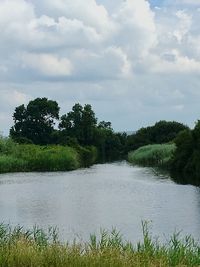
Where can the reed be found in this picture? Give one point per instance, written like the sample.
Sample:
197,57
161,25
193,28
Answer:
29,157
157,155
19,247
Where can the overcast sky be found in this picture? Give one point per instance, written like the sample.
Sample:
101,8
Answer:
136,62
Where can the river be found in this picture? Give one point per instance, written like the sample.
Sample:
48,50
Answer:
103,196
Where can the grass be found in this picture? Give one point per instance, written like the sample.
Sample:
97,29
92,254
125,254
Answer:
37,248
28,157
157,155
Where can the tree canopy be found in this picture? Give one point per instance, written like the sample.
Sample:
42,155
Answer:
79,123
161,132
36,121
186,161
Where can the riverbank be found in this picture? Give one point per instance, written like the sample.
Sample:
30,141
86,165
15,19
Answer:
28,157
19,247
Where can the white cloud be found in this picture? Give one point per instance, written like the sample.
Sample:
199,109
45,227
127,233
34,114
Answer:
48,65
88,11
145,61
174,62
111,63
185,22
137,29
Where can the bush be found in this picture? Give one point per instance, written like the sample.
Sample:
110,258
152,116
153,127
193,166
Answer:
88,155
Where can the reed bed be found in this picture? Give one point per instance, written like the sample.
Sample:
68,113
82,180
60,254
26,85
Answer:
29,157
158,155
37,248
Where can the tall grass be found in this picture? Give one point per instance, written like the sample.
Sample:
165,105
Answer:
158,155
37,248
28,157
48,158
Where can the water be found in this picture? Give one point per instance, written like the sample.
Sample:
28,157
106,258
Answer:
103,196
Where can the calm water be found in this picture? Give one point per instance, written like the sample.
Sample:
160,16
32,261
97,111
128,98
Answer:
104,196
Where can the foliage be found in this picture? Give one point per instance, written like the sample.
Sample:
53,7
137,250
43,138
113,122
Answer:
158,155
20,247
7,145
109,144
36,121
48,158
88,155
79,123
35,124
161,132
80,126
12,164
186,161
28,157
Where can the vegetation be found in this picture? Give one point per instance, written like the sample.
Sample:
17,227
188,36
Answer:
35,124
36,121
19,247
162,132
28,157
158,155
185,166
182,158
79,140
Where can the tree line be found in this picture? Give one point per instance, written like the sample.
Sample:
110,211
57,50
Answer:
40,123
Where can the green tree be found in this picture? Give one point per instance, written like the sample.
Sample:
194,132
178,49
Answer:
79,123
161,132
36,121
89,123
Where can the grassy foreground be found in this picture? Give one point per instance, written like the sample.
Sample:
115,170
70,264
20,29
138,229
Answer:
36,248
28,157
157,155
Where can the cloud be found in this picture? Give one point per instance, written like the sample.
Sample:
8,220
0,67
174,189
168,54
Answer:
88,11
174,62
48,65
124,57
137,29
111,63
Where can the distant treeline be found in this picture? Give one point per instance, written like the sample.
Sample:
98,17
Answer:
35,124
41,137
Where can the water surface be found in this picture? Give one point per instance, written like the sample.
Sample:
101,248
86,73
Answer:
104,196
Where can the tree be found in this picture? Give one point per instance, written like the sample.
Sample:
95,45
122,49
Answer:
185,167
89,123
161,132
36,121
79,123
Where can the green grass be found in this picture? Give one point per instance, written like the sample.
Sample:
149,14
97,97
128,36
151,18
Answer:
36,248
12,164
48,158
158,155
29,157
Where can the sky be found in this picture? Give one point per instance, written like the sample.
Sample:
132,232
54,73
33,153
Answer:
135,61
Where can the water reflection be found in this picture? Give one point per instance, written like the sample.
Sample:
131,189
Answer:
104,196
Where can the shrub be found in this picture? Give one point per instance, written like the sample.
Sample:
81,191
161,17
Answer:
88,155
